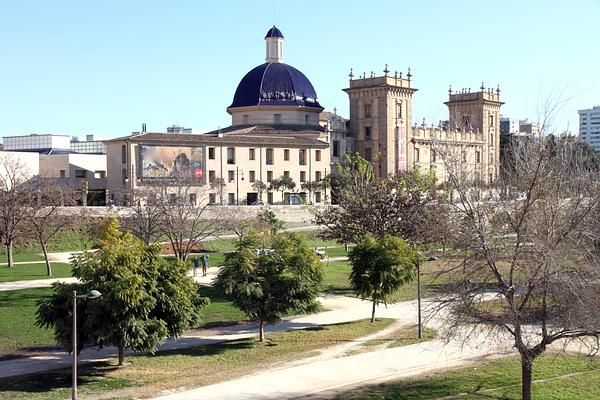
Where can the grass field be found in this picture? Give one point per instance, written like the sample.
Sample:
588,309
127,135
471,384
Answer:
147,375
558,378
18,308
17,320
22,257
335,281
25,272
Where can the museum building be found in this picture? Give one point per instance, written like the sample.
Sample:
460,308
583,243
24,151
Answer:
274,133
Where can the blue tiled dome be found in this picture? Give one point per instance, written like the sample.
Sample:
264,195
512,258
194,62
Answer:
275,84
274,32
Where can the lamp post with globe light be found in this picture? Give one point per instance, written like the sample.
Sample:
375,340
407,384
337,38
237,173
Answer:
91,295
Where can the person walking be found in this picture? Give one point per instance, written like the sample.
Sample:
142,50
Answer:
204,264
196,263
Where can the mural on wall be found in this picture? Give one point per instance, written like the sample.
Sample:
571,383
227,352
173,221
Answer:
164,163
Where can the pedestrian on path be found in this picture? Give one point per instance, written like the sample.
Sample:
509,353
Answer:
204,264
196,263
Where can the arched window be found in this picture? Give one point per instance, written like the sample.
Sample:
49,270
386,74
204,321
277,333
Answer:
124,154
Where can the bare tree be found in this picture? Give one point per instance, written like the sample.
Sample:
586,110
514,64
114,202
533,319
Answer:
218,185
396,205
235,220
14,196
531,264
146,214
44,220
184,208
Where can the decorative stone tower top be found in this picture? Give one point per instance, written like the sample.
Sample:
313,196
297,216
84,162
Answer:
274,39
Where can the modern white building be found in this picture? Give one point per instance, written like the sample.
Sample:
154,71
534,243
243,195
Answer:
39,143
589,126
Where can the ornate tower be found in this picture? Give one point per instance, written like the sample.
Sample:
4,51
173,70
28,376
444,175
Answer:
380,119
479,112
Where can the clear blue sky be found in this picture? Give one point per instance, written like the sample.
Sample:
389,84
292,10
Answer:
104,67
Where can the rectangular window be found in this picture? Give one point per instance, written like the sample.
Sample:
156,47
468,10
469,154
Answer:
317,197
302,176
230,176
367,132
306,119
62,173
399,110
277,118
464,156
302,157
123,154
230,155
317,176
269,176
417,155
99,174
251,155
252,176
317,155
212,198
193,199
336,148
286,155
211,153
368,154
269,156
270,197
245,120
433,156
286,174
491,119
368,110
477,156
80,173
172,198
211,176
231,198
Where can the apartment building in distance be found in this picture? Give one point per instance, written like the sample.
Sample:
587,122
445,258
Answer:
589,126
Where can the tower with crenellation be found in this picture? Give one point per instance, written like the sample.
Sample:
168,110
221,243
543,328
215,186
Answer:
381,126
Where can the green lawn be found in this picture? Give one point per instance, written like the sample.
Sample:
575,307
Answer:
22,257
17,319
18,308
220,310
147,375
559,378
335,281
25,272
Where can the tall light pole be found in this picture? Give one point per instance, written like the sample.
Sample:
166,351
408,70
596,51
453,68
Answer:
420,324
92,294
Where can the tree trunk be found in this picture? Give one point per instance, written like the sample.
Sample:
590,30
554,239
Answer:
121,349
261,330
526,372
373,312
9,253
48,266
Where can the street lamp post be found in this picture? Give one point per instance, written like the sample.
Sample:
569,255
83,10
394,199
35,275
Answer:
92,294
420,324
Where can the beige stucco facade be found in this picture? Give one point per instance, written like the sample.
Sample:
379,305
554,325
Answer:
239,157
381,125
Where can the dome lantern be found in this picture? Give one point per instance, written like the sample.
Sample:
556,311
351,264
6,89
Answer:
274,39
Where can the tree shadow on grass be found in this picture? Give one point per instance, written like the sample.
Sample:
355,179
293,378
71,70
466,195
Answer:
89,374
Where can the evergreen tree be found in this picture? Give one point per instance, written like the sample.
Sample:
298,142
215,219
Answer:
145,298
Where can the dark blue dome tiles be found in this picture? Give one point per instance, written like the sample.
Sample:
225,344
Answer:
274,32
275,84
